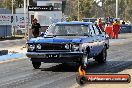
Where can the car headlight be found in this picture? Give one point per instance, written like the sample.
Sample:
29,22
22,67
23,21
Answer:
31,47
39,46
67,46
75,47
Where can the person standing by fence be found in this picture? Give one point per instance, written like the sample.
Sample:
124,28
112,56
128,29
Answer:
35,28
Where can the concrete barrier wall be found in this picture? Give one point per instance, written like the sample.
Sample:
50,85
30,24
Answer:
3,52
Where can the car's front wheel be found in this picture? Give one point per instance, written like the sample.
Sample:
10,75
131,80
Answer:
84,61
101,58
36,65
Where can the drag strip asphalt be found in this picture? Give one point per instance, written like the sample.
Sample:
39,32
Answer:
20,73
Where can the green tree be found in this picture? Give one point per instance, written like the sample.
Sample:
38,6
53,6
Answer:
63,6
7,4
31,2
109,8
17,4
128,10
1,5
124,10
89,8
85,8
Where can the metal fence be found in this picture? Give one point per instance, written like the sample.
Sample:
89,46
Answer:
5,30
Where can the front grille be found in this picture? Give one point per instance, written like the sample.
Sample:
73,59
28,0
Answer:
53,47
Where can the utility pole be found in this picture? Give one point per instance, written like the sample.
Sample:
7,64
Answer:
116,8
78,10
13,31
28,30
25,24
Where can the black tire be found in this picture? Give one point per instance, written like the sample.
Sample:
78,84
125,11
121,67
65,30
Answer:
101,58
36,65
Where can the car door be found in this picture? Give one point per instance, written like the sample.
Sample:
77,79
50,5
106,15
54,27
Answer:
93,41
99,39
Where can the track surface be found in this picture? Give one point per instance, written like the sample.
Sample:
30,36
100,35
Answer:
20,74
12,43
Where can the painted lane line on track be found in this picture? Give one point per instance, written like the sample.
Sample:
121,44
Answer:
12,60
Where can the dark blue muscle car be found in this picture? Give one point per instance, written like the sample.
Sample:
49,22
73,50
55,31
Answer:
69,42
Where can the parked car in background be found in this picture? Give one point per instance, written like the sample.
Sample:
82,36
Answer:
69,42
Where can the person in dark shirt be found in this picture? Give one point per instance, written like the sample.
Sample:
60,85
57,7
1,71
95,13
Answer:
35,28
123,22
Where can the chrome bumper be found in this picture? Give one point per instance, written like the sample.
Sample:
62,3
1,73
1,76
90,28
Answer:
54,54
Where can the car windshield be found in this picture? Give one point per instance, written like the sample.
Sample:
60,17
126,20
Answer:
67,30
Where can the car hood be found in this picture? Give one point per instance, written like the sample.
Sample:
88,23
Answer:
56,40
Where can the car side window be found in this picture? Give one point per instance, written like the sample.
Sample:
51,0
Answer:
100,32
84,29
92,33
96,30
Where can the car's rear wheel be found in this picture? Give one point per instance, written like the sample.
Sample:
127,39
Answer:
36,65
101,58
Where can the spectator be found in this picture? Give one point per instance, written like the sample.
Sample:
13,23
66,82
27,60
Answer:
35,28
116,29
123,22
100,24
